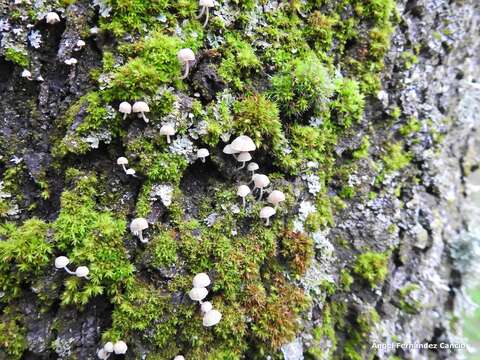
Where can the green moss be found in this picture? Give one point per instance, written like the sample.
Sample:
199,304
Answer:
412,126
13,340
372,267
348,102
18,57
362,151
297,248
395,158
164,249
409,59
346,280
406,303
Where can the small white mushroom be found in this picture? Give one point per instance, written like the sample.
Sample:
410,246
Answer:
122,161
243,143
120,347
26,74
266,213
206,306
61,262
202,154
205,5
108,347
80,44
261,181
130,172
211,318
52,18
198,294
179,357
201,280
243,191
185,56
82,272
140,108
137,226
252,167
276,197
229,151
125,108
243,157
167,130
102,354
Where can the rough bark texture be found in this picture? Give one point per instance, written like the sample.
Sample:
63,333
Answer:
390,263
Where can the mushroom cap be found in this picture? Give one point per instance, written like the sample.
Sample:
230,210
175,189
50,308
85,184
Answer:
243,143
243,190
201,280
26,73
212,318
52,17
201,153
167,129
120,347
61,262
266,212
108,347
130,171
103,354
137,225
260,180
252,166
179,357
198,294
185,55
140,106
82,271
125,107
206,306
244,156
71,61
228,150
206,3
122,161
80,43
275,197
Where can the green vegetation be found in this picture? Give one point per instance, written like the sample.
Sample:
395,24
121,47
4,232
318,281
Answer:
372,267
18,57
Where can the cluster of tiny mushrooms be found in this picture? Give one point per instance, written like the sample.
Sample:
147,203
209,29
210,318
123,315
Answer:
239,148
119,348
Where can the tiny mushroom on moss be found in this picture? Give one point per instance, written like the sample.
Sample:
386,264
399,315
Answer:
108,347
179,357
125,108
120,347
201,280
198,293
261,181
137,226
52,18
202,154
26,74
79,44
103,354
211,318
243,157
71,61
205,5
229,151
252,167
167,130
276,197
243,191
140,108
82,272
185,56
266,213
130,172
61,262
122,161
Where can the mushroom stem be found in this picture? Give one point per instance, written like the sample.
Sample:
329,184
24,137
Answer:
243,201
187,69
206,18
69,271
243,165
250,180
144,117
203,159
261,194
125,116
140,236
268,222
124,168
201,12
168,139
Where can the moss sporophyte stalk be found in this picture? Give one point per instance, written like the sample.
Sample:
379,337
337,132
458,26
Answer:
217,125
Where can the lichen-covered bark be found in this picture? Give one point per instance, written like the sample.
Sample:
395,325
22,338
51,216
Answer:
364,113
